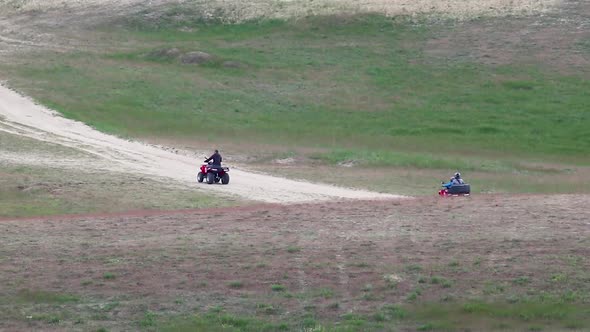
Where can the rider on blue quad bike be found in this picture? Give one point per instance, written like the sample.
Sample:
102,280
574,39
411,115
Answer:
455,180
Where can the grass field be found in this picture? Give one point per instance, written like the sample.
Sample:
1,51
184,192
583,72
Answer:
410,181
40,179
342,85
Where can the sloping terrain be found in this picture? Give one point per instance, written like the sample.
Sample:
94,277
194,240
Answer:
243,10
21,116
374,94
30,24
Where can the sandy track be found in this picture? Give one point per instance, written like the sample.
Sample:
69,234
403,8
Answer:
22,116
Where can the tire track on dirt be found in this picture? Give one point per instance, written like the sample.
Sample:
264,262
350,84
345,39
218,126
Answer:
343,278
23,116
301,280
26,43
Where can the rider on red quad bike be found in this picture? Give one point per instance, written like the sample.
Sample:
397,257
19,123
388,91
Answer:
212,171
215,159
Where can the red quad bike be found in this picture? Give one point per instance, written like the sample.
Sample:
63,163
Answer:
213,174
455,190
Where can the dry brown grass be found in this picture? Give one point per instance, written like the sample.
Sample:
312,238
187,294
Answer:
360,255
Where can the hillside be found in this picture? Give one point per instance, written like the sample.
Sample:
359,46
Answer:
242,10
497,96
338,120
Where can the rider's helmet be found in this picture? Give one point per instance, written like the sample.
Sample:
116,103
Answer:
457,175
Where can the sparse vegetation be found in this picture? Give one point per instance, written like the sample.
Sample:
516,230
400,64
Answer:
39,296
293,249
326,293
50,319
109,276
492,288
522,280
391,280
149,319
414,268
266,309
236,284
278,288
444,282
413,295
421,295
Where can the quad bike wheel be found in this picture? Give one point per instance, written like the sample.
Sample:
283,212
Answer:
200,177
225,179
210,178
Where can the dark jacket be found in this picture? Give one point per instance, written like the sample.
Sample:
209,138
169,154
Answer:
216,158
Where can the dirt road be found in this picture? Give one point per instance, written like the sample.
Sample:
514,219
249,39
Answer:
20,115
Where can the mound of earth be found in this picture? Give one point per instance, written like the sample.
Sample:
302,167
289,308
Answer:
165,53
197,58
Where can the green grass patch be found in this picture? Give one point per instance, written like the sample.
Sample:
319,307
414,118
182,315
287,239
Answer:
415,160
46,318
423,317
109,276
414,294
326,293
293,249
523,280
484,315
413,268
584,45
219,322
39,296
445,283
149,319
236,284
267,309
278,288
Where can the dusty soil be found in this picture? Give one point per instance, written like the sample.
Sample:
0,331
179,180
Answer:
360,255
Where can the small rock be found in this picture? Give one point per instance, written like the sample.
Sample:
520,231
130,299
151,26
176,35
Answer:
285,161
196,58
347,163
